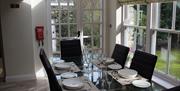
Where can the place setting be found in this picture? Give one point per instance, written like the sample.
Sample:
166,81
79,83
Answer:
60,68
70,82
104,62
129,76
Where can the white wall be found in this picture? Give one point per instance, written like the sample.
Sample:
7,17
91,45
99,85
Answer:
17,41
111,32
40,16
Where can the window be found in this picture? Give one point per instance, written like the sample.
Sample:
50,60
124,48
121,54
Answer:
135,22
162,33
70,16
167,43
92,23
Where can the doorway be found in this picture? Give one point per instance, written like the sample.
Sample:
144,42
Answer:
2,70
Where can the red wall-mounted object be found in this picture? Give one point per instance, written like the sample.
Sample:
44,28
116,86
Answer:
39,33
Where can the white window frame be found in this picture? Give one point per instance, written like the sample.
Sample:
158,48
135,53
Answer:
151,31
79,23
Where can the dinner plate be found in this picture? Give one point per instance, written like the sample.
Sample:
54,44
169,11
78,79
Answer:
67,75
62,66
127,73
109,60
114,66
72,84
141,83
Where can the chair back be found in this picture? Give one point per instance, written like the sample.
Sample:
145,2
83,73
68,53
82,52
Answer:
53,82
144,63
120,54
70,48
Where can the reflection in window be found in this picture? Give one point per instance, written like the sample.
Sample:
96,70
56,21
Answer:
162,51
137,15
136,38
175,56
178,16
166,15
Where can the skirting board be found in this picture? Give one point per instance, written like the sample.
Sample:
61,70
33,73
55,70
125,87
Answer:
20,77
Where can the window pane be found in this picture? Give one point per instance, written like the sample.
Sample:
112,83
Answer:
135,38
98,4
64,16
55,45
55,31
73,30
97,42
72,16
130,38
130,19
87,42
64,4
64,30
92,4
142,15
96,30
166,15
162,51
136,15
87,17
87,4
87,30
178,16
175,56
54,7
72,4
54,16
54,4
97,16
140,39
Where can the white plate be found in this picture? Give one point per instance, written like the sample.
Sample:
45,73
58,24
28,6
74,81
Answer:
127,73
114,66
72,83
62,66
109,60
67,75
141,83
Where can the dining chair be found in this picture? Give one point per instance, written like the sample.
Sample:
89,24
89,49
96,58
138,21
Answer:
120,54
144,63
53,82
177,88
70,48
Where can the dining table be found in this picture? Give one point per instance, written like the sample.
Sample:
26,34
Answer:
100,77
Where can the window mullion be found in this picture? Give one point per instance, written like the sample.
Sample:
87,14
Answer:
92,28
59,23
170,36
148,28
168,53
68,9
174,15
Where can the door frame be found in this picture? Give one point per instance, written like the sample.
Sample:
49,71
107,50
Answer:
3,63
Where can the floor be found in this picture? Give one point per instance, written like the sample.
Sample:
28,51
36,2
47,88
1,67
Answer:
32,85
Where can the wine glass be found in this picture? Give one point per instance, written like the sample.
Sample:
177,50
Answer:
108,80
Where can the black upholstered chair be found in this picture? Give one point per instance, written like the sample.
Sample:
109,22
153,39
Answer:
53,82
70,48
120,54
144,63
177,88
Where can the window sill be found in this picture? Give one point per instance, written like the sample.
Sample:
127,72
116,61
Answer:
164,80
